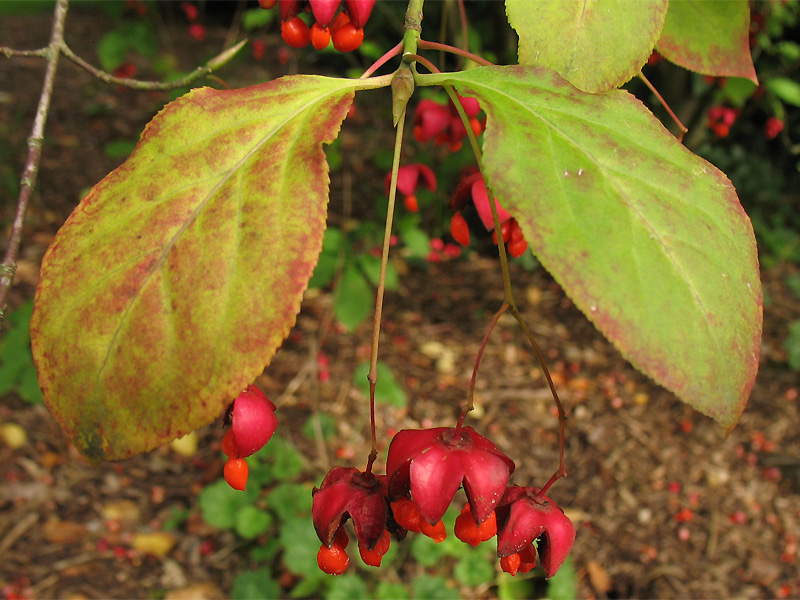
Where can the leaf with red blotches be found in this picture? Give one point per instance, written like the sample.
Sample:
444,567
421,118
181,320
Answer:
709,37
177,277
649,240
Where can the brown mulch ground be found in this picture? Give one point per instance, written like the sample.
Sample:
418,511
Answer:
664,504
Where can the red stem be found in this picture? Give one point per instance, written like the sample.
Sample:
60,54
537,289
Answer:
470,402
426,45
681,127
383,60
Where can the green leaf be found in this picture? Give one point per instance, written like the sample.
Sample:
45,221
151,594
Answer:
283,460
328,258
251,522
300,544
387,391
255,584
710,37
786,89
371,265
564,584
111,50
432,588
347,587
354,300
17,371
119,148
416,241
596,46
177,277
513,588
648,240
327,426
387,590
253,18
477,568
290,501
220,503
309,586
792,345
425,551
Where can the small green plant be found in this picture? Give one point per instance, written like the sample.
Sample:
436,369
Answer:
17,370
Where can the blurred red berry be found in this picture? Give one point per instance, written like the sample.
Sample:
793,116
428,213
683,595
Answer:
459,229
197,31
259,48
411,203
773,127
190,10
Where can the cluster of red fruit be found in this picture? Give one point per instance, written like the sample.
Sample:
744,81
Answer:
345,29
440,123
721,118
253,421
472,188
424,470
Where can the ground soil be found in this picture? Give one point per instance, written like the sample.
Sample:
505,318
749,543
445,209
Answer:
665,505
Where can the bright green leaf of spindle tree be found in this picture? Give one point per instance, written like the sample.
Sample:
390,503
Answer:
710,37
174,281
596,45
648,240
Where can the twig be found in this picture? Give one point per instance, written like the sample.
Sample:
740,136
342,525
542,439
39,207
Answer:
30,172
9,52
52,52
215,63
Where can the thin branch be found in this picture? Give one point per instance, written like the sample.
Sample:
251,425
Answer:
31,170
215,63
9,52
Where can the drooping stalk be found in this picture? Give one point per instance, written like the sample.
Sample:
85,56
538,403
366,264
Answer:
507,289
400,94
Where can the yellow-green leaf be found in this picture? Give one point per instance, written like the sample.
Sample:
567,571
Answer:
648,239
710,37
596,45
176,278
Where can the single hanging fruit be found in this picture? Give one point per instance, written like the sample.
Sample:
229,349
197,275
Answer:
296,33
320,36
